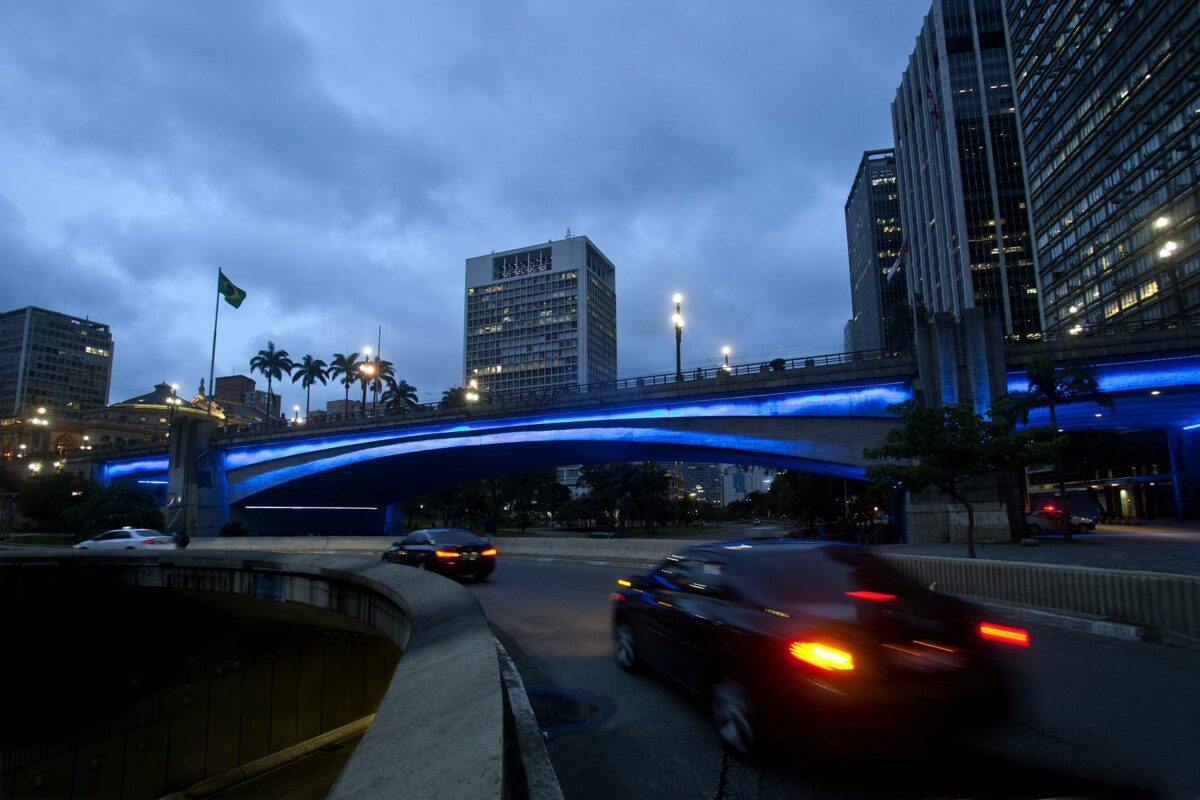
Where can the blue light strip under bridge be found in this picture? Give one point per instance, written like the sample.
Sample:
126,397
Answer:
842,401
827,455
137,466
1133,374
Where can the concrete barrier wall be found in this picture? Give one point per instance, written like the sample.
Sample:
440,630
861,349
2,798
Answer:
1168,602
449,658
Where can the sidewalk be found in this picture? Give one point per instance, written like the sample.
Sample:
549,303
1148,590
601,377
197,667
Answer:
1172,548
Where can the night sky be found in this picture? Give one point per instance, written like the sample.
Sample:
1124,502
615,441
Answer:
340,161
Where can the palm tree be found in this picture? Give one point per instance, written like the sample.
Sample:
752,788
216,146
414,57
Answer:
399,396
309,371
1050,387
272,364
454,397
383,374
345,367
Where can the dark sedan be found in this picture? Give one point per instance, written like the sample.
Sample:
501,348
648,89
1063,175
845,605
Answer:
812,641
454,552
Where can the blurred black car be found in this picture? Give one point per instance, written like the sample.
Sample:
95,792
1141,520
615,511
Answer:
814,642
449,551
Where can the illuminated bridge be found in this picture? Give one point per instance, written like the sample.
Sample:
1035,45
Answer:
805,415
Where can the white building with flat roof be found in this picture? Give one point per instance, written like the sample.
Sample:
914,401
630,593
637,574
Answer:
540,317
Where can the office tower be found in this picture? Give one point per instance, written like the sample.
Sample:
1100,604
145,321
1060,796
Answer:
874,243
53,360
541,317
1108,95
959,170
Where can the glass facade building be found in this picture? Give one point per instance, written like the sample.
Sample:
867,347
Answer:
541,318
873,242
53,360
1109,100
959,170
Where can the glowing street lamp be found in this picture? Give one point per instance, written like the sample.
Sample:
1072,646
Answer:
472,394
677,319
295,415
725,352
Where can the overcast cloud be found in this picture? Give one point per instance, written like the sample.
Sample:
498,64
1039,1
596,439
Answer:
340,161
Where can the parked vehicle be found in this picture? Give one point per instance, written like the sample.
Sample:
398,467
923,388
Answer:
1052,520
129,539
454,552
812,640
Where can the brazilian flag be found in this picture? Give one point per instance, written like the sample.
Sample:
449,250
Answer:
233,295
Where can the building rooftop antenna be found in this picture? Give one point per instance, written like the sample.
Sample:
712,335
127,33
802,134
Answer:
568,233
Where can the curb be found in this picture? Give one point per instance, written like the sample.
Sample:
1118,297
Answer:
540,779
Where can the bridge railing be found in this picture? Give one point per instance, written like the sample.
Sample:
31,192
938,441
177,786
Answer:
535,400
1080,331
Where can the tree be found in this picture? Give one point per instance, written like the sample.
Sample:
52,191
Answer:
947,447
454,397
345,367
400,396
805,495
308,372
113,506
272,364
45,497
1050,387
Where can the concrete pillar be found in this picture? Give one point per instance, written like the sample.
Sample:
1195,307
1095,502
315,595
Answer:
945,341
1185,469
187,478
394,522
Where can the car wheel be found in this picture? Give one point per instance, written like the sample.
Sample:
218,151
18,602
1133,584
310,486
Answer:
131,548
1081,528
733,716
625,652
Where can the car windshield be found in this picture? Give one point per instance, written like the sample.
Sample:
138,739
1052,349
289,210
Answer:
455,536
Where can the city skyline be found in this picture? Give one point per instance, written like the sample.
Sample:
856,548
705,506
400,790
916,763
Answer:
325,173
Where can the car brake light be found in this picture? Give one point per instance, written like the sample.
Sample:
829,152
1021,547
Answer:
491,551
618,597
863,594
1003,633
446,554
149,541
822,655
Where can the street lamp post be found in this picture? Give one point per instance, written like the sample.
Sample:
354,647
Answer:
725,352
678,320
295,415
472,394
367,369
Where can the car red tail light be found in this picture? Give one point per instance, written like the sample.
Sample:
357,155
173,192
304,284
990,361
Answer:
446,554
149,541
863,594
1003,633
491,551
617,597
821,655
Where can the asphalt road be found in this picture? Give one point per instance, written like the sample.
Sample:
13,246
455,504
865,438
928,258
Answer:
1096,717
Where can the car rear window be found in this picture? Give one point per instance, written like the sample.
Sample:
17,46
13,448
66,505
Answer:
822,575
455,537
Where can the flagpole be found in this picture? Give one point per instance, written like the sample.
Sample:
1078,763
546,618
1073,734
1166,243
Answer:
212,364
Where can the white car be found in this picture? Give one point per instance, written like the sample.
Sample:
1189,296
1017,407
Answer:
129,539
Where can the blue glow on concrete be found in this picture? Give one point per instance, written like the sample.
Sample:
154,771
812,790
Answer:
1133,374
830,458
843,401
121,469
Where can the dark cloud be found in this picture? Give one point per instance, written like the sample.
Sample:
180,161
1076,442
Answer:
341,161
